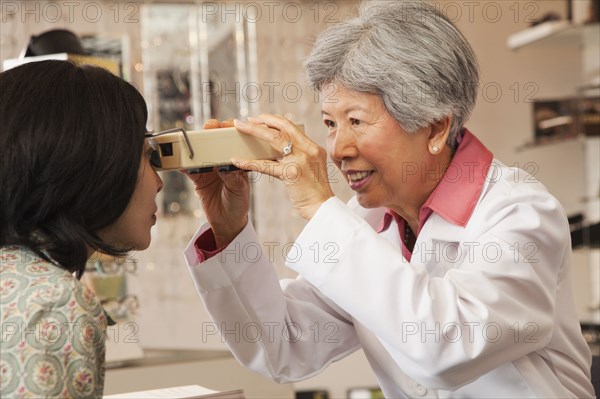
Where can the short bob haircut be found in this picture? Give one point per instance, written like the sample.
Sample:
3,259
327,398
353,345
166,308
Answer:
409,54
71,143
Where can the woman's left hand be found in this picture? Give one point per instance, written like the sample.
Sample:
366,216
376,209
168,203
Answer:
303,170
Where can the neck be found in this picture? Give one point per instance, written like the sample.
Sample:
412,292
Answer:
412,220
410,211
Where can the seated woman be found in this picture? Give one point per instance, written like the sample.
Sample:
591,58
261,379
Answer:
76,178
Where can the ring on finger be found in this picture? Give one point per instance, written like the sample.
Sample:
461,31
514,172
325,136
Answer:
287,150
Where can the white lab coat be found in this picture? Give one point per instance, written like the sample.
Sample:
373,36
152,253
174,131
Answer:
485,310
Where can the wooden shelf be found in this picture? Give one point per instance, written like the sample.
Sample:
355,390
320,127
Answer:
558,29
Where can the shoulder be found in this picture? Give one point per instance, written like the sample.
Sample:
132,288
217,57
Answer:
517,199
55,329
510,185
31,284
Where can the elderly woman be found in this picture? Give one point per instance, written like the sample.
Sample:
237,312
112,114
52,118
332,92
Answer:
451,271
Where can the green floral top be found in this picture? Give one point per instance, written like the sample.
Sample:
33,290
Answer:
53,331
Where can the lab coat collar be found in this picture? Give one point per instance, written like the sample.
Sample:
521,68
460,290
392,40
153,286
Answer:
439,229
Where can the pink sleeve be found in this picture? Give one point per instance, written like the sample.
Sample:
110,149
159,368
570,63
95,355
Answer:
206,246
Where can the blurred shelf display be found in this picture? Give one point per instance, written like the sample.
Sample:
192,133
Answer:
196,66
557,31
560,120
583,17
573,122
539,32
591,332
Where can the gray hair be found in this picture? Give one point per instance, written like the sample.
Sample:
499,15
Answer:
409,54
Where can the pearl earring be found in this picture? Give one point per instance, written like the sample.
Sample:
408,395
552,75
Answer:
435,149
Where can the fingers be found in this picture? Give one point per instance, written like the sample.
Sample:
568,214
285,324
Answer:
285,126
278,131
211,124
270,168
227,123
274,137
200,179
234,178
214,123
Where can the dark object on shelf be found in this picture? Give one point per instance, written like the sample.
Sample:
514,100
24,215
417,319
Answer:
593,235
583,235
596,373
595,17
576,227
591,332
551,16
371,393
565,118
320,394
554,119
53,42
589,116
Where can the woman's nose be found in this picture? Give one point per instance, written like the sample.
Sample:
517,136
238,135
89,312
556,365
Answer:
343,145
159,181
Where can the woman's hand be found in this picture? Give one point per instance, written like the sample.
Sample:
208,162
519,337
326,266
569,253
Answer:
303,169
225,197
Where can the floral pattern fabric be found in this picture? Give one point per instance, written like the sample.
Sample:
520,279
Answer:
53,331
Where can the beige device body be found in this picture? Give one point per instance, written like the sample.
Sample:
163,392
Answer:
211,147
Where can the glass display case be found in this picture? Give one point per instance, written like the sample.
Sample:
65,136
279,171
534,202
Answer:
196,64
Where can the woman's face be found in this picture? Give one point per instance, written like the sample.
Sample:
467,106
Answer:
383,164
132,229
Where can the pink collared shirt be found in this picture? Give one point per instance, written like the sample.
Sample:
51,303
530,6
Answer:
456,195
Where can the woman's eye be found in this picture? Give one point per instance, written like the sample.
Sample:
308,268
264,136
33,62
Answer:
153,157
354,121
329,123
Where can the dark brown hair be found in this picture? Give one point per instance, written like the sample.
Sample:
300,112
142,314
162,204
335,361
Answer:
71,141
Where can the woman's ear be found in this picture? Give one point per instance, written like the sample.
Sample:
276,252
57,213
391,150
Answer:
438,135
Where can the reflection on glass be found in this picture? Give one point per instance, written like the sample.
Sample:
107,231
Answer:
108,280
195,68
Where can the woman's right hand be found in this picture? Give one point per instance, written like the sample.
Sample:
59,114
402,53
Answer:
225,197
